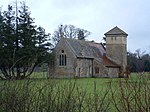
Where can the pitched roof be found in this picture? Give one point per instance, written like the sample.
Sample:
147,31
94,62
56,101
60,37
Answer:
88,49
116,31
109,63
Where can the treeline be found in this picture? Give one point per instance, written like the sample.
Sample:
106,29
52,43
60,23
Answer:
138,62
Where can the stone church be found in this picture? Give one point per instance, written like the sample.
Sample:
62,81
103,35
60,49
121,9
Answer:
81,58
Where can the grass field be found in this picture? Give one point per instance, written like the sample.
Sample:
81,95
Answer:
39,94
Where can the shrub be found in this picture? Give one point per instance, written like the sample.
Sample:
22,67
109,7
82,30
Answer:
54,95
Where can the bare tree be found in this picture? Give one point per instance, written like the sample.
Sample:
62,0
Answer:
68,31
139,53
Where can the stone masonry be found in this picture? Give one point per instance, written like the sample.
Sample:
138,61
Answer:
80,58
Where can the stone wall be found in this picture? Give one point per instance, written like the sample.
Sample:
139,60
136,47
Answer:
117,53
98,69
113,72
116,40
68,70
116,49
84,67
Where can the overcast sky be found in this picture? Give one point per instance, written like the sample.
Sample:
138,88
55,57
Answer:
96,16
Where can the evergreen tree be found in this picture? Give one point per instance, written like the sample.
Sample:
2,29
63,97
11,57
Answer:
7,40
24,45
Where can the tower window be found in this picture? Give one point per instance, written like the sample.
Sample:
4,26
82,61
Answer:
62,59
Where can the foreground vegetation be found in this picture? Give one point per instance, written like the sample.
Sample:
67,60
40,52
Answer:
76,95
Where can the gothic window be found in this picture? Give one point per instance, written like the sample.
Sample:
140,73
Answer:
62,59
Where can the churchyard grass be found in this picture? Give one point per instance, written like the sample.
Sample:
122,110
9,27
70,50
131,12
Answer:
39,94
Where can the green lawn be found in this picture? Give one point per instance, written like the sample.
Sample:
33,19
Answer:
84,83
39,94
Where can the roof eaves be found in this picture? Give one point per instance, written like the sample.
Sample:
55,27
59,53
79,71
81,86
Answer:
116,31
109,63
83,57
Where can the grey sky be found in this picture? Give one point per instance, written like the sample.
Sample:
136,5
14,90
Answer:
97,16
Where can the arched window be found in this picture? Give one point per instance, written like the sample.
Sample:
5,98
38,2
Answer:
62,59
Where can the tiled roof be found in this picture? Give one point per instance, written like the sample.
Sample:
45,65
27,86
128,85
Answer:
109,63
116,31
88,49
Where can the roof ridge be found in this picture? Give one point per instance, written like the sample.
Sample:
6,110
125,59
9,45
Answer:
71,48
116,31
85,48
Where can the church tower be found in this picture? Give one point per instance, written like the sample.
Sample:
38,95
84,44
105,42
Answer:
116,47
